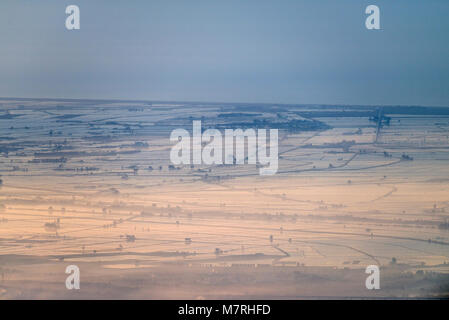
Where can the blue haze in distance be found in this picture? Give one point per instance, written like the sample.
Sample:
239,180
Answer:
287,51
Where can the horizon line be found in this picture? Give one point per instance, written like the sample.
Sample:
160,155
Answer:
217,102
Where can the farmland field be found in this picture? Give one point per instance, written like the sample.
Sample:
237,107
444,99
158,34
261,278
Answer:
90,183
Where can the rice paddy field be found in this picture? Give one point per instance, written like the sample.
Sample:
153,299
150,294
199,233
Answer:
90,183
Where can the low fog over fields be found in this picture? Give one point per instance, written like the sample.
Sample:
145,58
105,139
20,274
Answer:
90,183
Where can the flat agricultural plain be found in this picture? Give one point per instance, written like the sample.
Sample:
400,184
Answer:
90,183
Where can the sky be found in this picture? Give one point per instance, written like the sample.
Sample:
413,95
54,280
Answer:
283,51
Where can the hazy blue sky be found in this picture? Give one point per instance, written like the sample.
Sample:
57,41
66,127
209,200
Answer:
313,51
